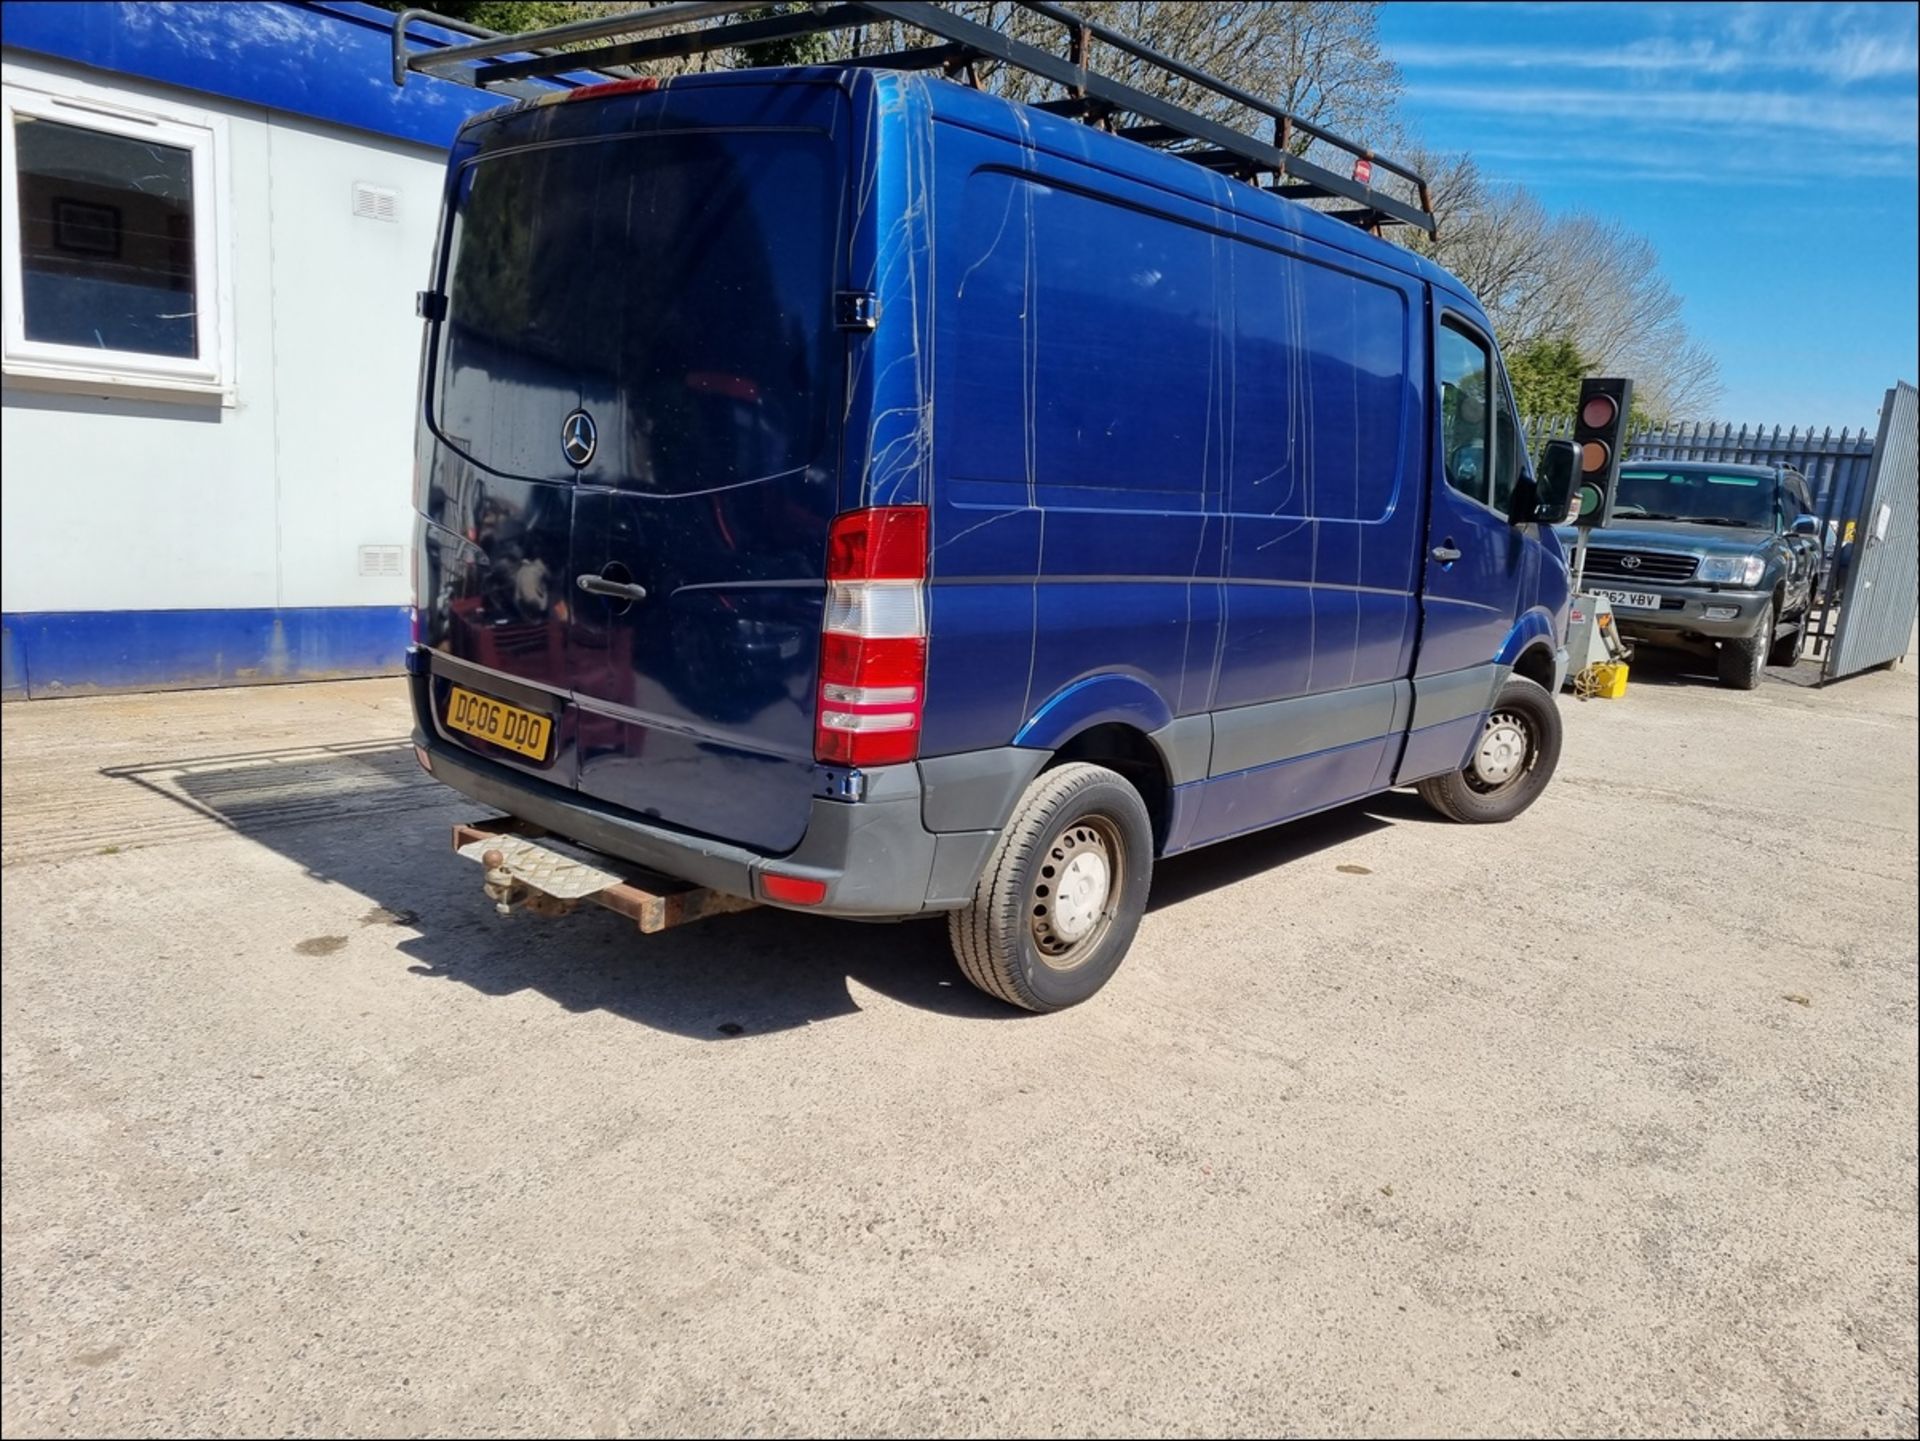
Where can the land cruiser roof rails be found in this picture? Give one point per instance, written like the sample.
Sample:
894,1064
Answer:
635,39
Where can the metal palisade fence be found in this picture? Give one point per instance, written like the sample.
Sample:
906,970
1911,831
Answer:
1835,465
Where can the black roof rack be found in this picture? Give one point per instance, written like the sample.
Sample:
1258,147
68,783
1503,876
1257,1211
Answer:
608,44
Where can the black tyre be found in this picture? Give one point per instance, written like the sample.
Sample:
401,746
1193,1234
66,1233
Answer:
1511,763
1741,660
1062,893
1786,650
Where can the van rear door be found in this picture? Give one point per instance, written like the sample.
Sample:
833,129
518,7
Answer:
677,259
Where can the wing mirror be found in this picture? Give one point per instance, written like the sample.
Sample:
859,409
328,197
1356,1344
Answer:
1806,525
1553,496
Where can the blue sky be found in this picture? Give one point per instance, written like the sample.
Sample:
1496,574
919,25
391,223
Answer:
1768,150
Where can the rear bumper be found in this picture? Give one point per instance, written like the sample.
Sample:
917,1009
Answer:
1701,614
879,856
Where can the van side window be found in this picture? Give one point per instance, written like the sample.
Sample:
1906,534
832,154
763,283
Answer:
1465,417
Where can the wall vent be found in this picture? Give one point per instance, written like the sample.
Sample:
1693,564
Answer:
370,202
381,560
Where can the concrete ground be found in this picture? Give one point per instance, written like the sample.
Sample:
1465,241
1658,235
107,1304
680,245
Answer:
1603,1121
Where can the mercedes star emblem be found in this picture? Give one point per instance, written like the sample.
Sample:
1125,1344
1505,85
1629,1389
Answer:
578,439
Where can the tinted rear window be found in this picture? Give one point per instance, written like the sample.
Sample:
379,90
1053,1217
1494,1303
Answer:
677,286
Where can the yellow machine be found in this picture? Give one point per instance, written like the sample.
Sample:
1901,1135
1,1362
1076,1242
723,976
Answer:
1606,680
1599,655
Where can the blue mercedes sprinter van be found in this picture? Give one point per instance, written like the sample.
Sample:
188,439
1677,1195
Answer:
847,490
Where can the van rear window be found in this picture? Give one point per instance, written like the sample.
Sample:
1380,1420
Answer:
677,286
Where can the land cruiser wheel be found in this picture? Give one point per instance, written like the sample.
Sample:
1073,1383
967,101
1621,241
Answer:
1511,763
1061,896
1740,660
1786,650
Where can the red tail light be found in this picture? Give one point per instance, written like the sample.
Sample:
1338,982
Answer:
873,642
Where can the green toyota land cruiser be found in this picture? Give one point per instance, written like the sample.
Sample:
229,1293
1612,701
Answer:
1709,558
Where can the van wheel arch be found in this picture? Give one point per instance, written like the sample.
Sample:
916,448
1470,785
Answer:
1132,755
1536,664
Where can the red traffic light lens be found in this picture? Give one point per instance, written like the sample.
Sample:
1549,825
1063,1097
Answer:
1593,456
1598,413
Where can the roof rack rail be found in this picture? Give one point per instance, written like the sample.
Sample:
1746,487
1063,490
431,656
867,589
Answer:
500,61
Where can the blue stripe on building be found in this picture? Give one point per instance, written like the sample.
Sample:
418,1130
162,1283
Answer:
326,61
58,653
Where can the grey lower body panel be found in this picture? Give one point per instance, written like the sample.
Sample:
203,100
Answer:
878,856
1259,735
1456,694
1448,712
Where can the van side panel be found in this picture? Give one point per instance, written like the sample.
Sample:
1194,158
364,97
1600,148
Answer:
1205,434
1323,495
1073,533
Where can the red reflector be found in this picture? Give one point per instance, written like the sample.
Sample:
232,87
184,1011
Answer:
794,890
884,542
614,87
426,761
1363,170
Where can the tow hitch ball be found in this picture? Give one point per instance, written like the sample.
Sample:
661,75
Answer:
497,881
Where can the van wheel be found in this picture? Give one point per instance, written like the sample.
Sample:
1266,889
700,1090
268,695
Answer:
1512,761
1062,894
1740,660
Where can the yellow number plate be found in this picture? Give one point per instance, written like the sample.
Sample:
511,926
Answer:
496,721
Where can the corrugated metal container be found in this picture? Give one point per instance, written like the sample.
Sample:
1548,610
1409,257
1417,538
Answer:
1878,601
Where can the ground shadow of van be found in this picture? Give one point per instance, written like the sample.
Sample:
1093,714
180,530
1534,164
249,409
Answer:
364,817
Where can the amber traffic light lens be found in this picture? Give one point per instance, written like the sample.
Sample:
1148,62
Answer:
1593,456
1598,413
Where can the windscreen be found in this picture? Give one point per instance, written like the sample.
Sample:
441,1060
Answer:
676,285
1732,500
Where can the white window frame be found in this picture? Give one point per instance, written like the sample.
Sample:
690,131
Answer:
209,374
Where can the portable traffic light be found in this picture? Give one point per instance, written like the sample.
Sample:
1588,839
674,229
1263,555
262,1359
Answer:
1600,430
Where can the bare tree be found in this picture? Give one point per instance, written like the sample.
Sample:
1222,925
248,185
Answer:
1572,277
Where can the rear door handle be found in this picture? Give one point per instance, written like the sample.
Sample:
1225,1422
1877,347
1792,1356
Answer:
1445,554
615,589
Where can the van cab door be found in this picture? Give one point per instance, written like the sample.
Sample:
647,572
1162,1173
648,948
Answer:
1477,566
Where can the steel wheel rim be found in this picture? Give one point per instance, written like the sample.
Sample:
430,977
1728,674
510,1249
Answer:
1075,891
1504,753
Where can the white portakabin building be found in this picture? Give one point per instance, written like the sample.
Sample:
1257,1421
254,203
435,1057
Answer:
216,220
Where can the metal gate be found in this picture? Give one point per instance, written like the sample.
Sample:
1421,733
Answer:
1877,598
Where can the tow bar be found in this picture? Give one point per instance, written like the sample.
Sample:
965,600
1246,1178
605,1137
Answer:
523,866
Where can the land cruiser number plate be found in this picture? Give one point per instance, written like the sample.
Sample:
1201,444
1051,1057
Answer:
1633,599
496,721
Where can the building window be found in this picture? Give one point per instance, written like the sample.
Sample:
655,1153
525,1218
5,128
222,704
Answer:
113,271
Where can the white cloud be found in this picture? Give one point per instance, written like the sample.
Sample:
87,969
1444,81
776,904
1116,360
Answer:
1841,43
1786,114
